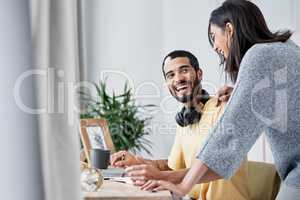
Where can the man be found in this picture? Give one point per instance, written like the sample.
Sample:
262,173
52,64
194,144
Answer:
199,113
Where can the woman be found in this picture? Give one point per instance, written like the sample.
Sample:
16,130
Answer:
265,67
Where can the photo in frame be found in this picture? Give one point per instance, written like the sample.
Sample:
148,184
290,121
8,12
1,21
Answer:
95,135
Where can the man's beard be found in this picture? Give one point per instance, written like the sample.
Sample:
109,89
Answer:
196,90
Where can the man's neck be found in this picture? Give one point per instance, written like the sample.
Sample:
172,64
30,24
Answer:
195,102
197,105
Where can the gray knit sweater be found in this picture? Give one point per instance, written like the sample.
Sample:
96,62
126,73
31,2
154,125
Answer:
266,98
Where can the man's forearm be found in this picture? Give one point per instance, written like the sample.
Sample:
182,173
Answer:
140,160
174,176
162,165
167,173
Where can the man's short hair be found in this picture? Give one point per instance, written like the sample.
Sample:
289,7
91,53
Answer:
182,53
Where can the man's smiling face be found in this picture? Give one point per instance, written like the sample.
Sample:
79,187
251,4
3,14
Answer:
181,78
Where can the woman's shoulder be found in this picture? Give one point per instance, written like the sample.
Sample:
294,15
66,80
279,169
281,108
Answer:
270,49
265,56
263,52
262,48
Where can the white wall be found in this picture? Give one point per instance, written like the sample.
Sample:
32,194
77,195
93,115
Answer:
20,163
134,35
126,37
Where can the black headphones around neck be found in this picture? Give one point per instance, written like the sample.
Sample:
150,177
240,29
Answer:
190,115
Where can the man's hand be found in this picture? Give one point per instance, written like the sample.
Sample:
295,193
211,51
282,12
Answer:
224,94
142,173
124,159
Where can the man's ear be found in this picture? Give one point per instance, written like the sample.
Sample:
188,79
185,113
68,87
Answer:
199,74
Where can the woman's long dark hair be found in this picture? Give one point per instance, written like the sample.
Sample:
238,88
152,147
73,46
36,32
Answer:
249,28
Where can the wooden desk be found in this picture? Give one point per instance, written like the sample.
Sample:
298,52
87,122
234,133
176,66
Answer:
121,191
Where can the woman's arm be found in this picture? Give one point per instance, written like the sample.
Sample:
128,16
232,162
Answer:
199,173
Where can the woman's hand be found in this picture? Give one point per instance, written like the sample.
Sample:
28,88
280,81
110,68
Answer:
150,185
159,185
198,173
224,94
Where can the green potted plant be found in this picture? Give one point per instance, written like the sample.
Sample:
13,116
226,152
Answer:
126,126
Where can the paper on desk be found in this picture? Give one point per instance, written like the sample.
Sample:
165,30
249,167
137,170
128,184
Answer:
126,180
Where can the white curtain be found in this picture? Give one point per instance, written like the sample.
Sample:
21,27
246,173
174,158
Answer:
19,148
54,25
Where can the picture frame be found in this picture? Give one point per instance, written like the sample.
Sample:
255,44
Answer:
95,135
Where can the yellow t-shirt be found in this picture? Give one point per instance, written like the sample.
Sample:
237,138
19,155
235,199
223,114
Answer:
187,144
